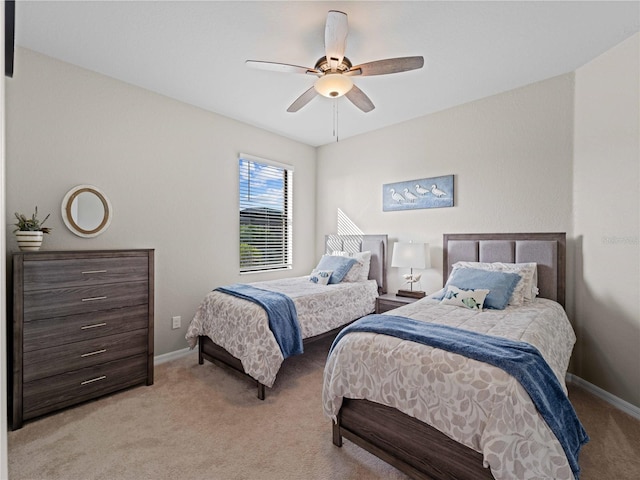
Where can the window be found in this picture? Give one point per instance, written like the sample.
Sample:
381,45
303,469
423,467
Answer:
265,214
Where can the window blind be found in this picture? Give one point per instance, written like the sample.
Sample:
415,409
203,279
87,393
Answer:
265,214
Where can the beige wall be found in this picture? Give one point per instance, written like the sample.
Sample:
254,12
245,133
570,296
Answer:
169,169
510,155
607,220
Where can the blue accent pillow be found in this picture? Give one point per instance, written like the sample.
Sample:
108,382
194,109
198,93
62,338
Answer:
499,284
340,266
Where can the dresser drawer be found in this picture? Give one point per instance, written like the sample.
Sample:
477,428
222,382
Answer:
70,301
73,356
51,332
52,393
76,272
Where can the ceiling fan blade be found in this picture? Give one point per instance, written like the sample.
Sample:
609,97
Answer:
335,38
279,67
360,99
390,65
302,100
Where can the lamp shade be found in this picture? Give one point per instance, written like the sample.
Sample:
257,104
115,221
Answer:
333,85
411,255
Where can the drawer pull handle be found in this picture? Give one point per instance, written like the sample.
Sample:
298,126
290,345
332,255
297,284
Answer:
93,271
93,353
86,382
95,325
91,299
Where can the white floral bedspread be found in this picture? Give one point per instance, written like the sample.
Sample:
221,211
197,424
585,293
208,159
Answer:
474,403
242,327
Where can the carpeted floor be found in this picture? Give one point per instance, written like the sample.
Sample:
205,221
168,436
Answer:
203,422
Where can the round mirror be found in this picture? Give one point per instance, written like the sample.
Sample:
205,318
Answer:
86,211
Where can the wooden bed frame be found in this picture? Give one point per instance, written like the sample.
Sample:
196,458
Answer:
377,244
413,447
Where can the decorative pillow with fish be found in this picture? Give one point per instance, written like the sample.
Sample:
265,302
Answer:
472,299
321,277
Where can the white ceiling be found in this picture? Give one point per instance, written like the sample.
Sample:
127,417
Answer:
195,51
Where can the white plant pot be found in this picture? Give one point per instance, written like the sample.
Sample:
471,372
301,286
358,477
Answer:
29,241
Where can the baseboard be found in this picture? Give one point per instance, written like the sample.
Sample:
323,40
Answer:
167,357
611,399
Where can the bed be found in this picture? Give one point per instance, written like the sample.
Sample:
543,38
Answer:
235,333
392,410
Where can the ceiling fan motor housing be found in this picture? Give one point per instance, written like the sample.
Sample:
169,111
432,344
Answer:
323,66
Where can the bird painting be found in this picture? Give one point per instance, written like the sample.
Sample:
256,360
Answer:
409,196
421,190
437,192
430,192
396,196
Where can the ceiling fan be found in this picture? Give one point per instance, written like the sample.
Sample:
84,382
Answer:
334,69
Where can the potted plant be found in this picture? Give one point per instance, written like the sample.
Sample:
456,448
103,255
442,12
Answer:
30,231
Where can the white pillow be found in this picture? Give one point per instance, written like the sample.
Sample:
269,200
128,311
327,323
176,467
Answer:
472,299
321,277
360,270
526,289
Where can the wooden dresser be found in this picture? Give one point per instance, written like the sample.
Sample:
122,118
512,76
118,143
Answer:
82,327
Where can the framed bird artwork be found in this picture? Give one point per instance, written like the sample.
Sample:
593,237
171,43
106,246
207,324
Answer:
433,192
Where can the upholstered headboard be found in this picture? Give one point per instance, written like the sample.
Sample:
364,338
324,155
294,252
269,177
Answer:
548,250
376,244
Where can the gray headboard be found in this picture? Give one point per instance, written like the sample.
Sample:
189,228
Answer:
376,244
548,250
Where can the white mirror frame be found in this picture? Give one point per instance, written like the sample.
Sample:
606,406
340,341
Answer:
70,222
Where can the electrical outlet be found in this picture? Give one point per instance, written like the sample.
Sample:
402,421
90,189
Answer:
175,322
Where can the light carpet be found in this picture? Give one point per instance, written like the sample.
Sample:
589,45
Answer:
203,422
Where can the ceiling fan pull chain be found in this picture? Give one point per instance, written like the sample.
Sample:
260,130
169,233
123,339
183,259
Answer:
337,124
335,120
333,114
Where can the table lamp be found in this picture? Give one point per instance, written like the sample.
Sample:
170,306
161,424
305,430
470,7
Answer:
410,255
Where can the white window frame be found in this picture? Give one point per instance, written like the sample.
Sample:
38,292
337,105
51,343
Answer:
252,257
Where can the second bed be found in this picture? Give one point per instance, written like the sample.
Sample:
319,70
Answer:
235,332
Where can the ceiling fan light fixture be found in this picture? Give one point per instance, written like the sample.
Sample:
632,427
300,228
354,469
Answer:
333,85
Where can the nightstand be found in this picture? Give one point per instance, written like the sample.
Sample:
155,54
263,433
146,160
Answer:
389,301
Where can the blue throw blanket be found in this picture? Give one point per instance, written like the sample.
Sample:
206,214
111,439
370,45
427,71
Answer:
281,311
519,359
